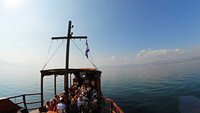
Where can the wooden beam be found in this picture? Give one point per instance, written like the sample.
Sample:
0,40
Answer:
72,37
54,85
42,102
67,65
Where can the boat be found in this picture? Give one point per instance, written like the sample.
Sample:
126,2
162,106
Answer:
85,86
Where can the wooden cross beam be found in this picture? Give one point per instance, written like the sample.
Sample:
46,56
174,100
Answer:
72,37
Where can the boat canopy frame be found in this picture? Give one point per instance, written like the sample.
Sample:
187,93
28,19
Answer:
62,72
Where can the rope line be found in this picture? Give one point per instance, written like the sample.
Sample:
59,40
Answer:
48,52
90,54
84,54
90,59
53,54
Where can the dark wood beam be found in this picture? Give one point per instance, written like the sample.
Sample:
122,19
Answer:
72,37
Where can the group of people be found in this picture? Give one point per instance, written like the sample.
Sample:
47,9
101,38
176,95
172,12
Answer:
84,99
56,104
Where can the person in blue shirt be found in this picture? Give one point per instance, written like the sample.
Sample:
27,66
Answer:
61,107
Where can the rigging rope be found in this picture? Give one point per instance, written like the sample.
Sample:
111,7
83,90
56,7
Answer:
90,53
48,52
53,54
84,54
90,59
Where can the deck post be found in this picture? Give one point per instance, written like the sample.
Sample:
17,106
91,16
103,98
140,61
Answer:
70,83
24,100
66,88
67,64
54,85
42,102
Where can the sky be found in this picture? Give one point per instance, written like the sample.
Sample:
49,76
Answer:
119,32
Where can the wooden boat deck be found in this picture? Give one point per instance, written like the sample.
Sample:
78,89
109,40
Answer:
35,111
71,110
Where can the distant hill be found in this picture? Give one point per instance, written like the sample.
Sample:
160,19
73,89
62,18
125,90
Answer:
184,65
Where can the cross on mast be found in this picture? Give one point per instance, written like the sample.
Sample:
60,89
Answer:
69,36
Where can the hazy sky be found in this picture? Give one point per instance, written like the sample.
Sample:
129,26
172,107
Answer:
119,31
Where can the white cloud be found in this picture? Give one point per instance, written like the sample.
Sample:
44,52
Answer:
153,55
159,52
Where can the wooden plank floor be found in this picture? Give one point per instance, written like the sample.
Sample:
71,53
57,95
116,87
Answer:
35,111
72,109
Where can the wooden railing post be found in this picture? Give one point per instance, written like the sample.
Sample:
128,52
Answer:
24,100
42,99
54,85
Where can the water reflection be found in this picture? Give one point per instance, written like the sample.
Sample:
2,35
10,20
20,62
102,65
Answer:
152,88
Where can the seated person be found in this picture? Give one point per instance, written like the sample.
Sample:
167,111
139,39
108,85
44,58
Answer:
61,107
49,106
57,99
54,103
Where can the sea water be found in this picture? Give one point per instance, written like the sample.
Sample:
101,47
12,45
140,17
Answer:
152,88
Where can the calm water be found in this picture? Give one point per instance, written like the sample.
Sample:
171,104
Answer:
136,89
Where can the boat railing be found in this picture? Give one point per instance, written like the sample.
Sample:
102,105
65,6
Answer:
26,102
109,106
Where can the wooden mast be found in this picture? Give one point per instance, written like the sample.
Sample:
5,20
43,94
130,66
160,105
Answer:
69,36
